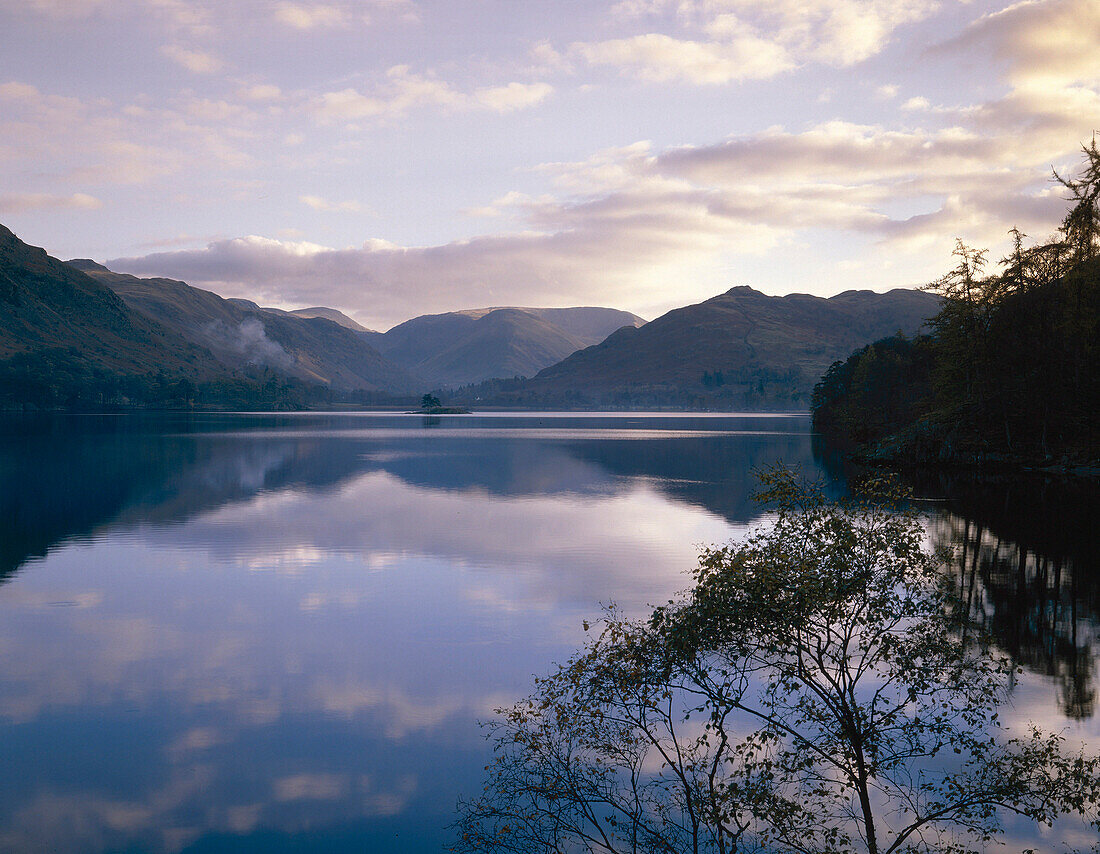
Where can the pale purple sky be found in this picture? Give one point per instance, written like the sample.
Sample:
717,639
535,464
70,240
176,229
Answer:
398,157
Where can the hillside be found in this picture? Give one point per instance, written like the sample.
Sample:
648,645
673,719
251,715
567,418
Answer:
469,346
48,306
241,334
1020,388
741,348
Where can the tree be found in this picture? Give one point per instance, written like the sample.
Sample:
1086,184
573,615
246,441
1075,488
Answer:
815,691
1081,225
1015,355
429,401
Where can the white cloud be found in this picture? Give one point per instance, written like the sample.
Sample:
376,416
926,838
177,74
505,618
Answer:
85,142
657,57
312,787
194,16
636,225
513,96
307,17
261,92
320,204
22,202
1043,42
404,91
751,39
195,61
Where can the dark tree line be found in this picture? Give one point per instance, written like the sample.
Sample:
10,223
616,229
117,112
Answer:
63,379
1010,367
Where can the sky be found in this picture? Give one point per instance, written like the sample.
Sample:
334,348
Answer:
392,158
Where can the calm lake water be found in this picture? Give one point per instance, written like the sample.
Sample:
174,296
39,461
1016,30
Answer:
278,632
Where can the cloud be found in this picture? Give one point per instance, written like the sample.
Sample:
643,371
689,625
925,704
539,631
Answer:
94,142
657,57
320,204
404,91
193,16
312,16
23,202
195,61
735,40
834,32
261,92
312,787
307,17
248,340
513,96
622,248
636,225
1042,42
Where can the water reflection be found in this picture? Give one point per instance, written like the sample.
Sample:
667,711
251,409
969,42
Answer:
71,477
276,634
1025,561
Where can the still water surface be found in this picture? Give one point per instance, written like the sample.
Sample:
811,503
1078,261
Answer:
277,632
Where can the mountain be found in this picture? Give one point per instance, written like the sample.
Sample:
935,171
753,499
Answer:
461,347
51,310
241,334
739,348
332,314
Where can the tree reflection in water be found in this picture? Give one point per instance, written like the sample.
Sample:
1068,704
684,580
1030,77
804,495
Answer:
1024,559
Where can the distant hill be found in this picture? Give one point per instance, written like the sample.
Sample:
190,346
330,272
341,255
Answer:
332,314
241,334
741,348
461,347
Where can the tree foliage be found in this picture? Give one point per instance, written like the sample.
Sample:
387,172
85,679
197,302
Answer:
815,691
1015,355
63,379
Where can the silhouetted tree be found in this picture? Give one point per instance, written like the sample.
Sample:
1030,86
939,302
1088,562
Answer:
1016,355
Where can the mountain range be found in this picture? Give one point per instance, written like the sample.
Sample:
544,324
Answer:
738,348
462,347
77,324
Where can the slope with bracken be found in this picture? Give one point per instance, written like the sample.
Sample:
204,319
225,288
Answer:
50,308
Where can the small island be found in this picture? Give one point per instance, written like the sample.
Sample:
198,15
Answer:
432,405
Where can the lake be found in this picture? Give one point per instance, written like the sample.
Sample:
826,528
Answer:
273,633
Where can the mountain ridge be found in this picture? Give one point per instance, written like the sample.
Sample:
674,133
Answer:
739,347
472,345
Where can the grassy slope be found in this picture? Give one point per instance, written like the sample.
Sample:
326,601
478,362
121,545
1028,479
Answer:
48,305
